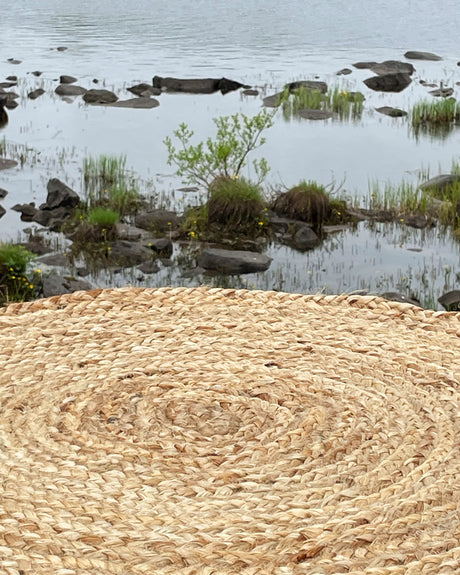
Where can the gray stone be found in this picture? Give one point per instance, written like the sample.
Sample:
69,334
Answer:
128,254
140,103
307,84
311,114
415,55
450,301
94,96
158,220
273,101
3,193
305,238
401,298
441,184
233,261
393,67
53,284
149,267
364,65
36,73
250,92
35,93
131,233
14,61
61,48
442,92
67,79
388,82
161,246
27,211
197,86
60,196
2,211
144,89
60,260
70,90
344,72
392,112
6,164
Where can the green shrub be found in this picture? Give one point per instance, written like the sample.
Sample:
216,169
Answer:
14,284
226,155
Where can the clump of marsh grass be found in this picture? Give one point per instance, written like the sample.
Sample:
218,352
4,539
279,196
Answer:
234,202
108,184
435,116
396,199
308,202
343,104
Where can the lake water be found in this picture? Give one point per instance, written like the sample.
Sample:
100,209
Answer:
264,44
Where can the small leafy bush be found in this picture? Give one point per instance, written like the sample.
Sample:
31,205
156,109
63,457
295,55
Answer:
14,283
226,155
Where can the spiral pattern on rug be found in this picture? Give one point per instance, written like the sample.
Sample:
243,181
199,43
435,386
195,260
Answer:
211,431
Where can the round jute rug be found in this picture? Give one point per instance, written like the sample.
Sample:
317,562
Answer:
211,431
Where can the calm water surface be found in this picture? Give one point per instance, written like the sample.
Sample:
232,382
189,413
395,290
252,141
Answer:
264,44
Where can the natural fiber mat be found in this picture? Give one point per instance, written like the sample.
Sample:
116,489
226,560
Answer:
210,431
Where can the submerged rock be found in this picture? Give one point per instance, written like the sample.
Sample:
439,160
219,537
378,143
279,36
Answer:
311,114
389,82
6,164
308,84
233,261
141,103
390,111
415,55
343,72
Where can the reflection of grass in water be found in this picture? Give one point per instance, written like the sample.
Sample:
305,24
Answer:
344,104
436,118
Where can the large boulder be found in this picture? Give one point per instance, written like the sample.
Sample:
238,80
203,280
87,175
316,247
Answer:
99,97
415,55
233,261
60,196
389,82
196,85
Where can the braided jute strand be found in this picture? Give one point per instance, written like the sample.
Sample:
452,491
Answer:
211,431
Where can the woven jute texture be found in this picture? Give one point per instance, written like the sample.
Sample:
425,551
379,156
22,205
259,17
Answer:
211,431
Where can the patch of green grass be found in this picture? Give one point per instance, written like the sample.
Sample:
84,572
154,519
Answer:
103,217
